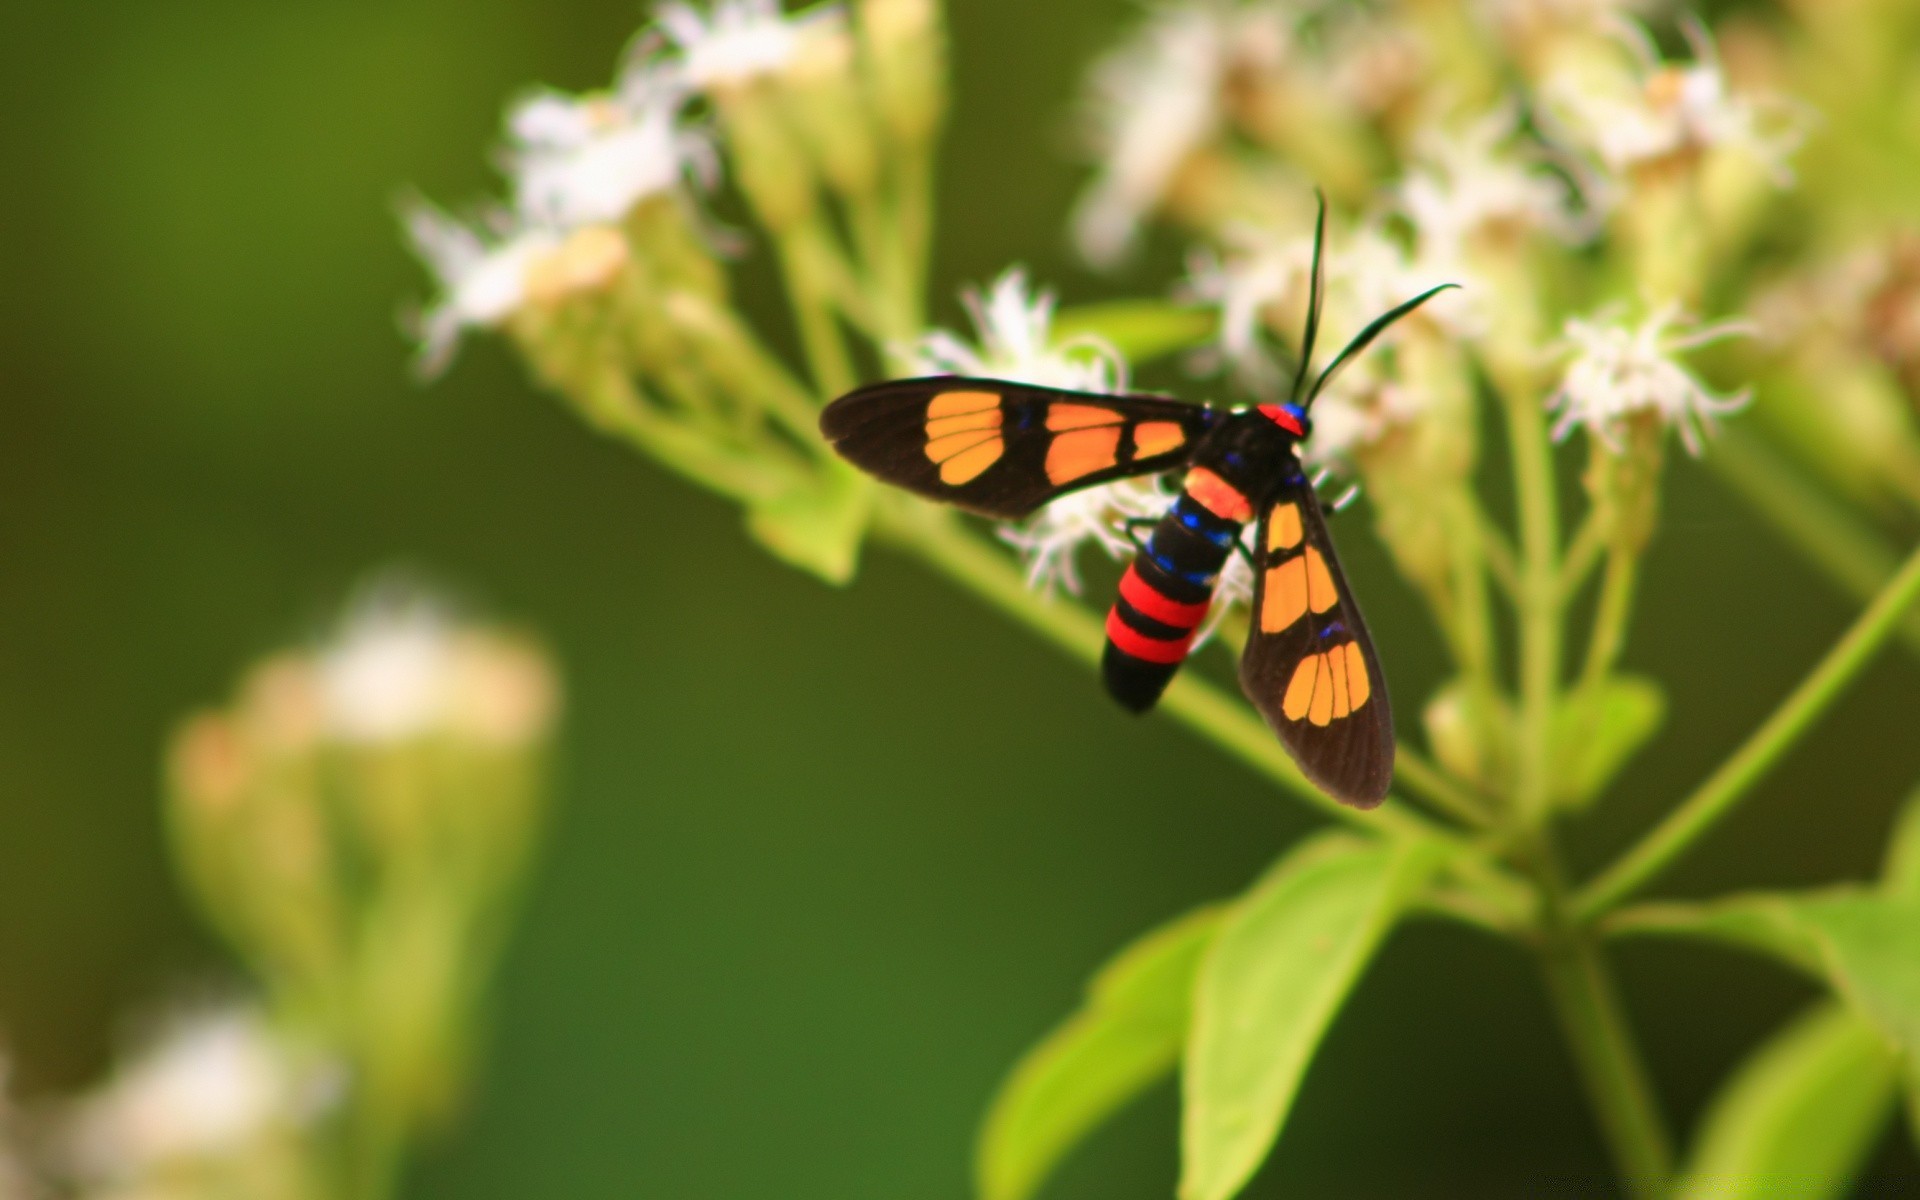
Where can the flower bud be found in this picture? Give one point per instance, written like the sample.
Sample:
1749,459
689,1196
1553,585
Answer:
903,44
829,109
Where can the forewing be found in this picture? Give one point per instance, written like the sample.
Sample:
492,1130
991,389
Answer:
1310,667
1004,449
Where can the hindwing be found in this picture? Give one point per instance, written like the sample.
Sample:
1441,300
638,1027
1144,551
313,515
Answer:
1004,449
1309,666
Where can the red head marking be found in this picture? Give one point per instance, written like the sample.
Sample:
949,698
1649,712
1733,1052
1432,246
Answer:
1284,419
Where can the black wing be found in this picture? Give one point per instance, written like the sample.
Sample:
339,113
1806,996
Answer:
1310,667
1004,449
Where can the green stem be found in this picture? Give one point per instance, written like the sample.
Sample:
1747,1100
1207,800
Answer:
1502,561
1610,620
734,356
811,289
1726,786
615,406
1823,529
1538,598
1588,1006
936,538
1583,552
1438,788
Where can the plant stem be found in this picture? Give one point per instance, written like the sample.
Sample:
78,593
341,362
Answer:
806,266
1436,786
1725,787
1833,538
1538,598
1610,620
1585,999
939,540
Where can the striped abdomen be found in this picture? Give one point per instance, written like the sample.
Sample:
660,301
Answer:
1165,593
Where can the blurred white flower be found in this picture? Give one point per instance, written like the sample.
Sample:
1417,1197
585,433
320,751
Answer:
1361,407
1156,100
1475,181
1621,369
1659,110
1261,286
583,159
1013,327
1528,15
1050,540
482,275
737,41
401,667
209,1086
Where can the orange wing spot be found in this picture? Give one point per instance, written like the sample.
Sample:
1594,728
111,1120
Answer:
940,427
1217,496
1359,684
952,404
1321,593
1337,671
1157,437
941,449
1080,416
1300,688
1320,712
1081,453
966,466
1283,527
1285,598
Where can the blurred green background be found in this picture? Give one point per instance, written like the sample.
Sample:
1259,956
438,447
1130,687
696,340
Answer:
824,862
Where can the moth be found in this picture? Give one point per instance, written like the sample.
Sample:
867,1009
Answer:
1003,449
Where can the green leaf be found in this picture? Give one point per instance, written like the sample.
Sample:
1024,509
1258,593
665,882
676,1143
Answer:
1799,1116
1283,963
816,526
1901,875
1125,1037
1865,945
1141,330
1595,734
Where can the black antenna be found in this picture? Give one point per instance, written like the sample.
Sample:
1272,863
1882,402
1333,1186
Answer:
1365,338
1314,290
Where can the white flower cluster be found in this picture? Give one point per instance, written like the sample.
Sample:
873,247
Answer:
1158,99
1013,339
400,668
206,1090
1620,369
1656,110
579,164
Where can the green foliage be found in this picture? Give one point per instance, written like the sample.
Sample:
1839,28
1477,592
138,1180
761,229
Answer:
1125,1036
1599,731
1140,330
817,525
1799,1117
1278,971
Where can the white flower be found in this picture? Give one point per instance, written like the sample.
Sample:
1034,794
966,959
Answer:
1155,101
211,1084
586,159
1658,110
737,41
1619,370
402,667
1362,406
384,676
1014,328
1473,182
1050,540
1262,285
482,276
